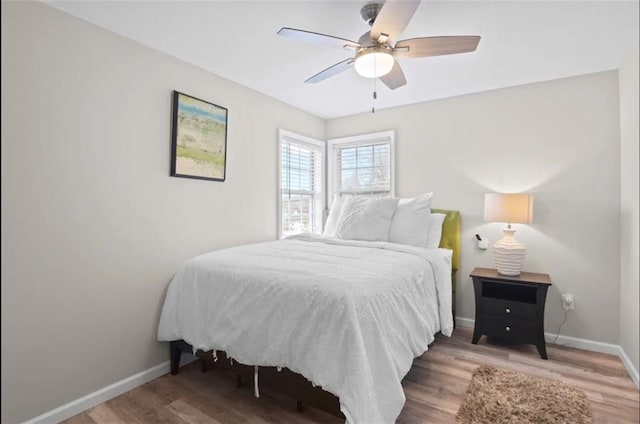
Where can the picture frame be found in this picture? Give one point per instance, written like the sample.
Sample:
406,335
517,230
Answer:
198,138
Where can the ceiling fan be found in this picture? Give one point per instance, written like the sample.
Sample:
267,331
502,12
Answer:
376,52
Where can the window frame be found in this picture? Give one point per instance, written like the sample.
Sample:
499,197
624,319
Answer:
334,144
302,140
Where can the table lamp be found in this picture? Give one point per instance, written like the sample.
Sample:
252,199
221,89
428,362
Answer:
508,253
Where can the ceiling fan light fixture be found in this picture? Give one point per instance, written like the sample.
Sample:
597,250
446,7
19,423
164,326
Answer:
374,62
378,49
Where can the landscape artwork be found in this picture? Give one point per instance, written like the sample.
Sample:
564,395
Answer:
199,139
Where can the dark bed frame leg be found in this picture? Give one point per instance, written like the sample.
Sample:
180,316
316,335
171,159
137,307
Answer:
176,353
239,381
299,406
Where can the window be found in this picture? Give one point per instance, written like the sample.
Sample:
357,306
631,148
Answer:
362,165
301,194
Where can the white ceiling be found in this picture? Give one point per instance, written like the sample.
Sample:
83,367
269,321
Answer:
522,42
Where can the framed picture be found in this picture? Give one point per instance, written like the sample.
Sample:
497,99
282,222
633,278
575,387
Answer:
199,139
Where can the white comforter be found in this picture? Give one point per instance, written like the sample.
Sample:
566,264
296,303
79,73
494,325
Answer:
350,316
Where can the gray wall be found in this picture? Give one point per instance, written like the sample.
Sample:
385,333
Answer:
93,228
629,229
558,140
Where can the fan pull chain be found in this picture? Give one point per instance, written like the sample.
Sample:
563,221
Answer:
375,94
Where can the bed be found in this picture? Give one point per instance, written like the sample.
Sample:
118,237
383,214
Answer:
341,338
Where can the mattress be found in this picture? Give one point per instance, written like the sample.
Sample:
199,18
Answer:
350,316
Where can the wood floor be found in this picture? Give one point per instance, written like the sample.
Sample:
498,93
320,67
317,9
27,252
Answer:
434,389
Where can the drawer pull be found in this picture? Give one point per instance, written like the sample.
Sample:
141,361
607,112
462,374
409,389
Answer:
508,310
507,328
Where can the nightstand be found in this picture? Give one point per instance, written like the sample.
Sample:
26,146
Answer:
510,308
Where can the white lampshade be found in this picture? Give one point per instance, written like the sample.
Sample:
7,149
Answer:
508,253
508,208
374,62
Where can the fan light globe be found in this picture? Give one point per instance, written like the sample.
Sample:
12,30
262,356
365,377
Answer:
374,62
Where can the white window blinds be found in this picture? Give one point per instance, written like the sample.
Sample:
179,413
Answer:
301,181
364,169
362,165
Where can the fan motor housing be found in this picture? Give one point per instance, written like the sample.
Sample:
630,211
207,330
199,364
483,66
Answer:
365,40
370,11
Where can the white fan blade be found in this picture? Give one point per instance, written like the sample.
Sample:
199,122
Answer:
393,19
395,78
436,46
331,71
317,38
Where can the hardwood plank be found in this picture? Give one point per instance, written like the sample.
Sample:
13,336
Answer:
434,388
141,405
103,414
81,419
190,413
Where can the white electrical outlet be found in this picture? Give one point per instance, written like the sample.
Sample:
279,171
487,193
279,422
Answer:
568,302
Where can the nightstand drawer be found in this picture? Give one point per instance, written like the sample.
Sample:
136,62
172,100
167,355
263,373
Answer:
510,329
508,309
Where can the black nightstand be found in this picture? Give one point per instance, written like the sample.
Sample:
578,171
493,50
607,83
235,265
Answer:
511,308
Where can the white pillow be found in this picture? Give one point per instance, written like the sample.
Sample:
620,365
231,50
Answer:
435,230
364,218
334,215
410,223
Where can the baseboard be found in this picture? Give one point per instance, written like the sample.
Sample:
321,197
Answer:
92,399
633,372
585,344
465,322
